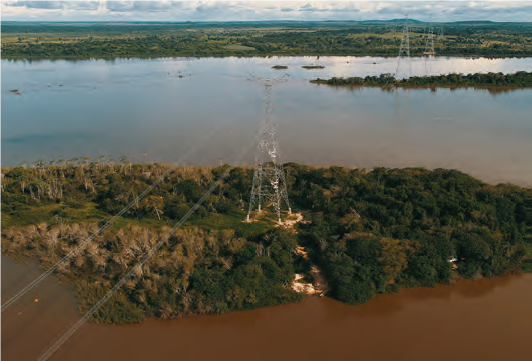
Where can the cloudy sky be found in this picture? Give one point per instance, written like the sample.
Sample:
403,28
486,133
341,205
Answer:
506,10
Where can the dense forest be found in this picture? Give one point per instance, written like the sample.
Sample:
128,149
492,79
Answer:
370,232
520,79
26,40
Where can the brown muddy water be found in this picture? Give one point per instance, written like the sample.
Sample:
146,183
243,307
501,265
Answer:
486,319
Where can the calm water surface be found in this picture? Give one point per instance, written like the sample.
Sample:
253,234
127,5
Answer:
487,319
164,106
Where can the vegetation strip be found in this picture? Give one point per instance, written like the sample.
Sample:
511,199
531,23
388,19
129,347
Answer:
27,40
368,231
520,79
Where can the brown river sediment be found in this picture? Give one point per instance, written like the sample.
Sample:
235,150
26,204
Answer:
486,319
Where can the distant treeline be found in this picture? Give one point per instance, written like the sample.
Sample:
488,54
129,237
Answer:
520,79
148,40
370,231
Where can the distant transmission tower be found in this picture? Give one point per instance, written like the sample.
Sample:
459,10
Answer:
405,44
269,182
429,46
429,43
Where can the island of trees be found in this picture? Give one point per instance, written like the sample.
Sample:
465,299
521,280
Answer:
520,79
369,231
29,40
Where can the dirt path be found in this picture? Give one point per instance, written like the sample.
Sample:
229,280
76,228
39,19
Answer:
291,220
319,285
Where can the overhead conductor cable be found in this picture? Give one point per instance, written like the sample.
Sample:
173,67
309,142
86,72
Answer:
143,260
39,279
63,338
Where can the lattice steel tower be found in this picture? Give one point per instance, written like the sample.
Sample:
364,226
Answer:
269,182
429,43
405,44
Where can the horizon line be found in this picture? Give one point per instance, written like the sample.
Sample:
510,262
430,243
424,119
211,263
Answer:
254,21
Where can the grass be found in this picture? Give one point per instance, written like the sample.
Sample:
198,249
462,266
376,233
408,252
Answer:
238,47
148,222
7,221
89,212
234,221
30,215
52,213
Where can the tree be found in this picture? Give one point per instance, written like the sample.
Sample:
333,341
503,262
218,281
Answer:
154,204
393,257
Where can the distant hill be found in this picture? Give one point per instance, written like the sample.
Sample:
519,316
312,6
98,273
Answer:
248,23
393,21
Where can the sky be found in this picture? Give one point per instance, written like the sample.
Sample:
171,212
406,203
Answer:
505,10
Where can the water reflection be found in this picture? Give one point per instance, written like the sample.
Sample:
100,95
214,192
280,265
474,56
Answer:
491,90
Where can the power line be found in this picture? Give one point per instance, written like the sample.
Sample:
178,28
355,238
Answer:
143,260
120,283
39,279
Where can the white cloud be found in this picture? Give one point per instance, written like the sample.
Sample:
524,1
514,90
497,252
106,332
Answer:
264,10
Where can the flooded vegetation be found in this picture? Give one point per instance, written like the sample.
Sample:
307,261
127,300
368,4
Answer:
369,231
294,328
313,67
490,316
518,80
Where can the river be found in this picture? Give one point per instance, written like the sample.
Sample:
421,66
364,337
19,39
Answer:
486,319
160,107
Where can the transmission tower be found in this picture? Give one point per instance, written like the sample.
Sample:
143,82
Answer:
440,34
269,182
429,43
429,47
405,44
